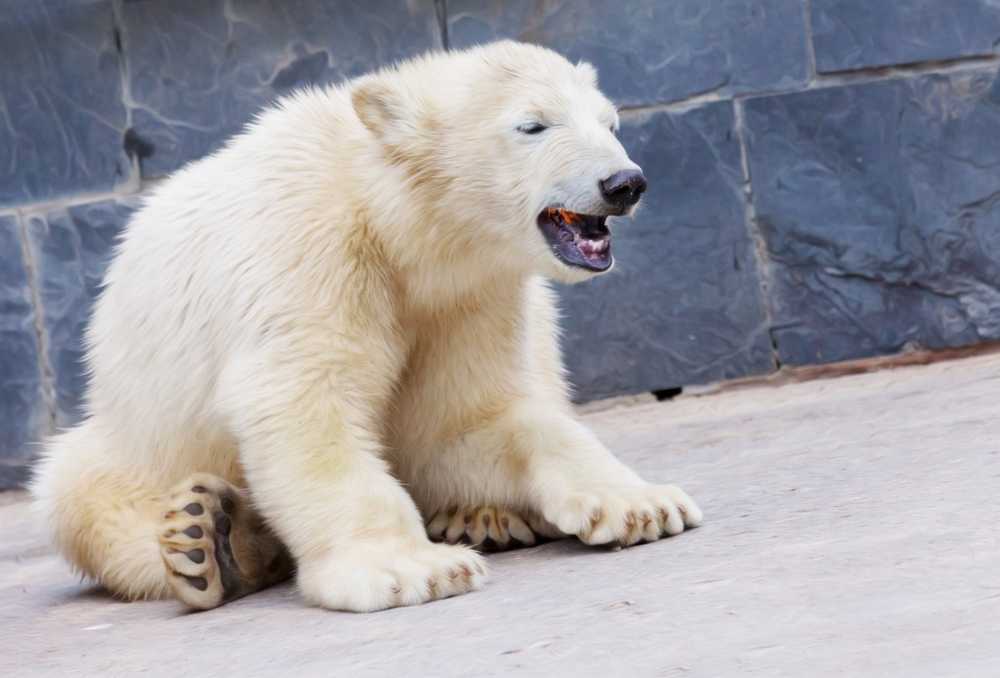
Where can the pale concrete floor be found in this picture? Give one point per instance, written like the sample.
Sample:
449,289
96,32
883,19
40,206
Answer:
852,529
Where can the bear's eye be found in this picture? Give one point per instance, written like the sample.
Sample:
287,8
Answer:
532,128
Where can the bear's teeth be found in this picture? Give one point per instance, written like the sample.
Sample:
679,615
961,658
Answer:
591,247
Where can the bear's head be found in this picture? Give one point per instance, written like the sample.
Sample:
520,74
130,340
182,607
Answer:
511,151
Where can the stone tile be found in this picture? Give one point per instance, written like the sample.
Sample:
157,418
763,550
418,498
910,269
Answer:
880,205
72,249
62,120
199,69
851,34
650,51
683,304
23,414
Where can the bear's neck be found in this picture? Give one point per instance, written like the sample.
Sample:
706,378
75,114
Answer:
454,285
440,265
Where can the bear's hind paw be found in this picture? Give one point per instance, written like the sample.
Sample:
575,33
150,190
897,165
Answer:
214,547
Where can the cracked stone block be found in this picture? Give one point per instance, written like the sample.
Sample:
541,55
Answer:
62,121
23,414
650,51
683,304
880,206
852,34
72,248
200,69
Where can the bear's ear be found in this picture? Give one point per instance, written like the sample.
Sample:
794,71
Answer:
379,107
588,72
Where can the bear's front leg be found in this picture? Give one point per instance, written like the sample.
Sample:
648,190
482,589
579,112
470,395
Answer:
538,462
582,489
306,429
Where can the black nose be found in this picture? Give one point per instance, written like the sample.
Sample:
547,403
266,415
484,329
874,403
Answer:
624,188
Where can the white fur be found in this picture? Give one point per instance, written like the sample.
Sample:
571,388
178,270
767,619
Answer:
346,301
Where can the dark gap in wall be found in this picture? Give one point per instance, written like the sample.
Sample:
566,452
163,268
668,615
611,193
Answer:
441,9
137,147
774,347
668,393
132,173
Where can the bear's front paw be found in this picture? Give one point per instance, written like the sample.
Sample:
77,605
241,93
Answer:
624,515
489,528
379,574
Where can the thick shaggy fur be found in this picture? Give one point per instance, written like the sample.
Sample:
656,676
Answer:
345,311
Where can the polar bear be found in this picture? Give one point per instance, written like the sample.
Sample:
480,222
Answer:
331,346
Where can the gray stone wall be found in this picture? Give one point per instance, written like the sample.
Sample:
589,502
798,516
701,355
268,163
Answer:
825,174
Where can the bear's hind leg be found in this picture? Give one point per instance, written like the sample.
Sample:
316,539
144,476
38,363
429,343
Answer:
103,518
215,547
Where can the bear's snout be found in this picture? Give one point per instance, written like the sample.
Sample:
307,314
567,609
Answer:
623,189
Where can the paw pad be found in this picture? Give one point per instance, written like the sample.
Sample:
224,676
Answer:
209,559
199,583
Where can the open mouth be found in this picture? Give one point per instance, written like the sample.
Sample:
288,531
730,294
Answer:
581,240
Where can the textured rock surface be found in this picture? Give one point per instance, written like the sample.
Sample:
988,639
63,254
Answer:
199,69
62,120
71,249
650,51
23,414
851,34
683,304
880,205
851,530
878,201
